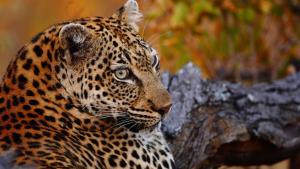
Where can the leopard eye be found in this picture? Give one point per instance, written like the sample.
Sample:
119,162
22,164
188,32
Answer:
154,61
122,74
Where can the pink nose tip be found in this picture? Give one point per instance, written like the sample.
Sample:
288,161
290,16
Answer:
164,110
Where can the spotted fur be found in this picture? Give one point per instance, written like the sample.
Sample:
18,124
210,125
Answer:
85,94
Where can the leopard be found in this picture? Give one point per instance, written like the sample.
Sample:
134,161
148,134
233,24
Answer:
85,93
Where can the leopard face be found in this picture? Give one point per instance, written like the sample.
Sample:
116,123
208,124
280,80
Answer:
112,71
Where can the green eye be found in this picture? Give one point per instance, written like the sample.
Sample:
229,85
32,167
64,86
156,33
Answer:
122,74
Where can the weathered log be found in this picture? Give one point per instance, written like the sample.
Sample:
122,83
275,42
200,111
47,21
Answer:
214,123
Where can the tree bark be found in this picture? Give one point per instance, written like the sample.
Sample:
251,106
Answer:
214,123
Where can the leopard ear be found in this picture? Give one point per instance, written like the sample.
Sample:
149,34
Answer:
76,41
129,13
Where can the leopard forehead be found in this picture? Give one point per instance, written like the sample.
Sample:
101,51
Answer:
115,40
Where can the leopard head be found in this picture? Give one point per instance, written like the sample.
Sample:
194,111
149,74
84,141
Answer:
111,70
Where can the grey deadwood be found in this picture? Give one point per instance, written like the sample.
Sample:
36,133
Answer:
214,123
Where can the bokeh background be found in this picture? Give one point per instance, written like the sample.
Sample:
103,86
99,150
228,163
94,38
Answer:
236,40
246,41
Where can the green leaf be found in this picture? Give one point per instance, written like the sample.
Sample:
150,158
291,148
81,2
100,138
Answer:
180,13
246,14
278,10
204,6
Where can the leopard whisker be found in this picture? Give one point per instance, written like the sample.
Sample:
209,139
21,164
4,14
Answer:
155,37
122,124
134,124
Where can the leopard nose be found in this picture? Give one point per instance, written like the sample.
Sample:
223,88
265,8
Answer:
164,110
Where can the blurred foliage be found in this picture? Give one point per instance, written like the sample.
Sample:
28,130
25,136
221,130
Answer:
248,40
238,40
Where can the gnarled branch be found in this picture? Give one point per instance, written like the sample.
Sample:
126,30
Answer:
214,123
